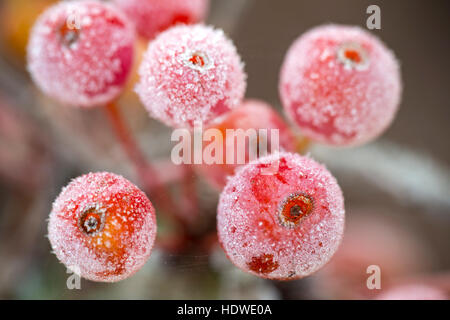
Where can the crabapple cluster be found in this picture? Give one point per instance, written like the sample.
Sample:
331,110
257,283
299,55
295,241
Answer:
103,225
251,114
340,85
154,16
281,217
191,75
81,52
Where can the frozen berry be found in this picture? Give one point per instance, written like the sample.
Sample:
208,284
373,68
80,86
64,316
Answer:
103,226
251,114
191,75
340,85
281,217
81,52
413,292
153,16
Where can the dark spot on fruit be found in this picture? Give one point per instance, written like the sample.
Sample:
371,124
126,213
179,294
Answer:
263,264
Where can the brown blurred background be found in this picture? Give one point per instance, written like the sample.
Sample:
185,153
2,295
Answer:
397,189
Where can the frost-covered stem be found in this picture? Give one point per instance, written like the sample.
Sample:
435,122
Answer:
189,196
302,144
144,169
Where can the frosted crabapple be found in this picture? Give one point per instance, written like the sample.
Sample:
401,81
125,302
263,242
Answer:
281,217
251,114
102,225
153,16
340,85
189,75
81,52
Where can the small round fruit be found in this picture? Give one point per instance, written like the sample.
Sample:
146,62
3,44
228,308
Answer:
102,226
281,217
191,75
153,16
254,115
340,85
81,52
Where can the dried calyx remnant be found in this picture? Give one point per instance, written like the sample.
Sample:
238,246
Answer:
197,60
69,34
353,56
92,220
295,207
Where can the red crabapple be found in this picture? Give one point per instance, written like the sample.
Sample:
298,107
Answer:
191,75
340,85
251,114
81,52
102,225
153,16
285,225
413,292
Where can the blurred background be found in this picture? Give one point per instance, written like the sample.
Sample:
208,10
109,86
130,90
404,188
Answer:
397,189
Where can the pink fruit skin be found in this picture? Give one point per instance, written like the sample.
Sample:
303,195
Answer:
81,53
332,99
153,16
191,75
124,241
248,220
251,114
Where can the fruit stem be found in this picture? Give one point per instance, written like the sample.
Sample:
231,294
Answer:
144,169
303,144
